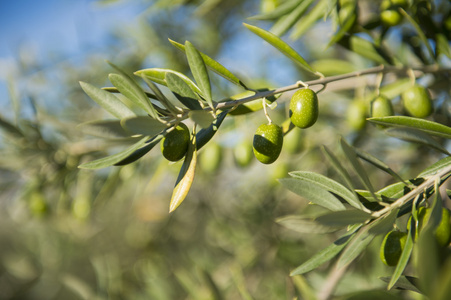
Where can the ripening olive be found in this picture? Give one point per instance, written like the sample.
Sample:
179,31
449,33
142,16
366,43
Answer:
381,107
390,15
417,102
442,232
211,157
243,154
356,115
304,108
175,144
392,247
268,141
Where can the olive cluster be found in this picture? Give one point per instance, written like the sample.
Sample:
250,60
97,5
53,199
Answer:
394,242
268,139
416,102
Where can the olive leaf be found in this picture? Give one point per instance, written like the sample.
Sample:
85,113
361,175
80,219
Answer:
316,13
416,136
403,259
161,97
313,192
138,153
214,66
404,283
107,129
430,127
436,167
338,167
206,134
158,75
366,49
281,10
143,125
343,217
182,91
305,225
286,22
199,71
186,175
201,117
355,247
107,101
280,45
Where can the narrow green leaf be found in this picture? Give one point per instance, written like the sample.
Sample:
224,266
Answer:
199,71
313,193
416,136
366,49
443,45
377,163
281,10
371,295
321,9
343,217
330,67
137,154
143,125
305,290
338,167
201,117
355,247
279,44
304,225
115,158
10,128
323,256
427,126
343,30
383,224
436,167
108,129
352,157
404,283
108,101
284,24
206,134
214,66
186,176
403,260
182,91
161,97
329,185
158,75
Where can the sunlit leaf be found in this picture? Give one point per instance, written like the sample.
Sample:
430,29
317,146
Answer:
343,29
355,247
436,167
115,158
201,117
279,44
182,91
377,163
352,157
285,23
108,129
313,193
366,49
158,75
214,66
199,71
323,256
304,225
161,97
108,101
281,10
427,126
343,218
143,125
186,176
329,185
416,136
310,19
330,67
338,167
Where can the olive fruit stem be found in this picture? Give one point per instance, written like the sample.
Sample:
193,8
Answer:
266,110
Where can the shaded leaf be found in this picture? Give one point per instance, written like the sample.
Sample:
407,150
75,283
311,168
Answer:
284,24
383,224
214,66
313,193
329,185
343,30
281,10
416,136
186,175
202,118
404,283
108,129
161,97
377,163
279,44
143,125
427,126
366,49
371,295
205,135
137,154
321,8
10,128
355,247
443,45
115,158
436,167
343,218
338,167
108,101
199,71
182,91
304,225
158,75
403,260
323,256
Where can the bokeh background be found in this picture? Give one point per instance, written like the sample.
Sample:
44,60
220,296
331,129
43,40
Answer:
67,233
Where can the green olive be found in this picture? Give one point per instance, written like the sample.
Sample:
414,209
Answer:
242,154
417,101
442,232
392,247
211,157
390,16
381,107
304,108
175,143
268,142
356,115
